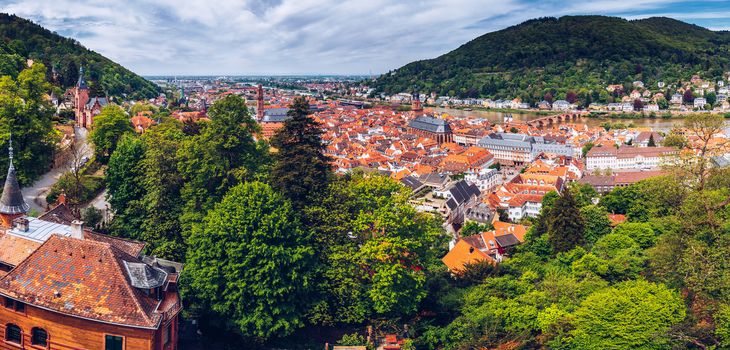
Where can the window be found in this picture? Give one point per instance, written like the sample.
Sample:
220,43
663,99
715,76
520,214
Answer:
39,337
13,334
14,305
113,342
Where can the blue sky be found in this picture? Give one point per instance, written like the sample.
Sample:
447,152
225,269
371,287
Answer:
216,37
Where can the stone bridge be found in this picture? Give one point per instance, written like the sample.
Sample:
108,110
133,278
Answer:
554,119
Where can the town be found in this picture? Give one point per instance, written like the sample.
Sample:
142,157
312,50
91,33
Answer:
484,209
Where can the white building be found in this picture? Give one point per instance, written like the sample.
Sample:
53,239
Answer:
626,157
485,179
700,102
561,105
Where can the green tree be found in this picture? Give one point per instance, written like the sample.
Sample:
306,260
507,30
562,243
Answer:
674,139
302,172
250,263
374,249
161,206
109,127
566,225
587,147
596,221
473,227
630,315
222,155
583,193
125,190
26,114
651,142
641,232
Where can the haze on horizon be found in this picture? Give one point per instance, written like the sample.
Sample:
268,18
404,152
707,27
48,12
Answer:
299,37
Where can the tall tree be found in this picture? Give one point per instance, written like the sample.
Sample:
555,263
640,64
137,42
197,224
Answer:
221,156
704,129
124,178
651,142
376,250
566,225
250,262
109,127
302,171
26,113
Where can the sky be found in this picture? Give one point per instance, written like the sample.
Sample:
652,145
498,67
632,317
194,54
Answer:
266,37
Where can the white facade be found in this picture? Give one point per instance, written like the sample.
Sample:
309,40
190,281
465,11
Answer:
628,158
485,179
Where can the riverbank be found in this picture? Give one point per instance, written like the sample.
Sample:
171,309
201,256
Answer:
650,115
500,110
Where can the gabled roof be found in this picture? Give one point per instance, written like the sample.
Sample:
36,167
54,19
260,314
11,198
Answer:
102,102
463,253
82,278
462,191
430,124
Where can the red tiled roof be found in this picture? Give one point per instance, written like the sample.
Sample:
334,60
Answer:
81,278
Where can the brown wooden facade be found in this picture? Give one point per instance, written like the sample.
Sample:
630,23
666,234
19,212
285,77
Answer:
72,333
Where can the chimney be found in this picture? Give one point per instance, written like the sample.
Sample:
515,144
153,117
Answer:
77,229
21,224
61,198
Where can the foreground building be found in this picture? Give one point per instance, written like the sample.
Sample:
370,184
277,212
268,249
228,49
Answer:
63,286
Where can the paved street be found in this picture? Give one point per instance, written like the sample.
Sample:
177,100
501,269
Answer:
35,195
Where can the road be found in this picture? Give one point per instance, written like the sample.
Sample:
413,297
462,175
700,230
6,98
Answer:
35,195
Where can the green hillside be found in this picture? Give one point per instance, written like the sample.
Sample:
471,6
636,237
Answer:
578,53
21,39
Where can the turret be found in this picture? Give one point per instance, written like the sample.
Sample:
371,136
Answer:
12,203
260,103
416,102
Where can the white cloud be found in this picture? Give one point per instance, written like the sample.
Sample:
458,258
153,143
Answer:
288,36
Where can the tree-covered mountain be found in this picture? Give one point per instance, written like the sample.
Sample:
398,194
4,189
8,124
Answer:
21,39
578,53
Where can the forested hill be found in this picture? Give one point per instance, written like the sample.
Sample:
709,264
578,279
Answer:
21,39
568,53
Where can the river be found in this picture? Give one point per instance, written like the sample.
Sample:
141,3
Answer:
657,124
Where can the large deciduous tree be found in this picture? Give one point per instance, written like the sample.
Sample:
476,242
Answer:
109,127
250,262
630,315
26,113
221,156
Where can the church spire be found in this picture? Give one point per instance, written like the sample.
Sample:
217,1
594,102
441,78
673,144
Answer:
82,82
12,204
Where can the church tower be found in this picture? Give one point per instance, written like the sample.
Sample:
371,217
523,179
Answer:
82,98
12,204
416,102
260,103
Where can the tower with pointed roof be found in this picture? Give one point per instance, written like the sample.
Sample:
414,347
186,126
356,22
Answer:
416,102
12,204
81,92
260,102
